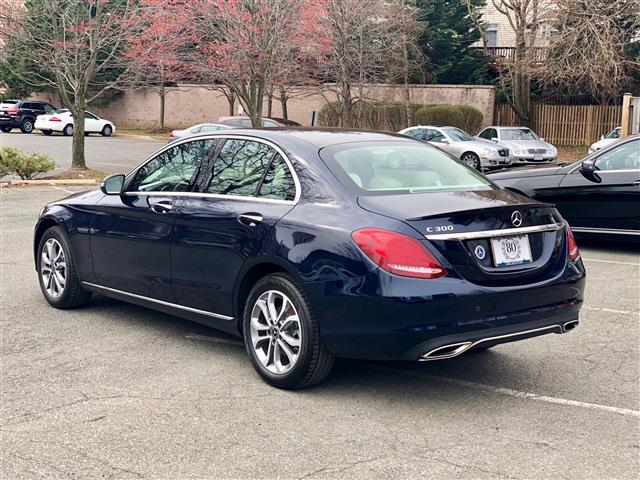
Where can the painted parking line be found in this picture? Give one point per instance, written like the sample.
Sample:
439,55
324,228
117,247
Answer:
206,338
615,262
611,310
512,393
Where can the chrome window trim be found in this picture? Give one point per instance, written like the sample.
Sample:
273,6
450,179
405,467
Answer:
159,302
504,232
612,231
279,150
213,195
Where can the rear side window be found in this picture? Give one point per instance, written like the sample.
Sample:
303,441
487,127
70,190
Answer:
278,181
417,133
173,169
380,168
238,168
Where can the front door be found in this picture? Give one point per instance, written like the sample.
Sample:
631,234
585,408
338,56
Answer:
132,233
244,191
610,197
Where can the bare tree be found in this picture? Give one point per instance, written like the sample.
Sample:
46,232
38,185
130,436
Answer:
525,18
596,50
78,47
364,44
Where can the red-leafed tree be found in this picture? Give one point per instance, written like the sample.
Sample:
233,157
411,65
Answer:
156,51
249,45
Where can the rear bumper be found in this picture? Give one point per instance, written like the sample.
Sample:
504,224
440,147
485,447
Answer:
386,317
44,125
13,122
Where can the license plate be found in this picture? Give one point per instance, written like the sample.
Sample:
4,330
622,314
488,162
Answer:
537,157
511,250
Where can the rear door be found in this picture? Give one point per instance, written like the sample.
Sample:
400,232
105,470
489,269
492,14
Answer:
240,195
132,233
610,197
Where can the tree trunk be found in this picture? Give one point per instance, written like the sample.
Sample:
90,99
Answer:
521,84
231,98
77,145
163,93
269,103
283,103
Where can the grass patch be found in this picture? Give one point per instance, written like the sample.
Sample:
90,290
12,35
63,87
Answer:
77,174
157,133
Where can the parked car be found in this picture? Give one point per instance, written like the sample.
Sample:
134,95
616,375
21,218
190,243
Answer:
8,103
23,115
62,121
606,140
196,129
476,153
597,195
240,121
317,244
525,146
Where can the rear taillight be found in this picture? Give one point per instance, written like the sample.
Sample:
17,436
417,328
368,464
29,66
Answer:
398,253
13,111
171,135
54,119
572,246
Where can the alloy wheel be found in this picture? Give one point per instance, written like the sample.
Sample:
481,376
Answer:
471,160
276,334
53,268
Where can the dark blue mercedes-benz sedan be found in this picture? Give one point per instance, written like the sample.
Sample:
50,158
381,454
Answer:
316,244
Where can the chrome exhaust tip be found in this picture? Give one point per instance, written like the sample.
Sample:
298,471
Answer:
568,326
446,351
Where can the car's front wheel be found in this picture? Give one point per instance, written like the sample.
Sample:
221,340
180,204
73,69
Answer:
26,126
106,131
57,273
282,336
472,160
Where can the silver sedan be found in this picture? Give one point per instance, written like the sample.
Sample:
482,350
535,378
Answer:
524,144
475,153
196,129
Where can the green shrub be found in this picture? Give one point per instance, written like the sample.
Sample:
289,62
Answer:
462,116
26,166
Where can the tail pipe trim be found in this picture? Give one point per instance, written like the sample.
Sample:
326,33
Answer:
454,349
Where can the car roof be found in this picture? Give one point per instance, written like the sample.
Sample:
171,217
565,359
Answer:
318,137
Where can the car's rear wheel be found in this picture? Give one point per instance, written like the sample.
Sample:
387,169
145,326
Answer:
57,273
472,160
47,132
67,131
26,126
5,129
282,336
106,131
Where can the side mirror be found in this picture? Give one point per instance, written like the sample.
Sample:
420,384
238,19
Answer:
588,166
602,137
494,139
113,184
444,141
541,139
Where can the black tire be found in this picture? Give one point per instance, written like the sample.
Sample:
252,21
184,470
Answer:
314,359
47,132
67,131
73,295
26,126
106,131
5,129
471,159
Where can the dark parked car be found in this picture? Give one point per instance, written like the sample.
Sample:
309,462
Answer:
23,115
598,195
315,244
267,122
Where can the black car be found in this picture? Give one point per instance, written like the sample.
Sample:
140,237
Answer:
315,244
598,195
23,115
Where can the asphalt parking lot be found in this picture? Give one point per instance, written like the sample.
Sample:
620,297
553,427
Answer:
111,154
117,391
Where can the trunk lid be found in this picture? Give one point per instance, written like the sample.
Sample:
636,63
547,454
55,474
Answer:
460,226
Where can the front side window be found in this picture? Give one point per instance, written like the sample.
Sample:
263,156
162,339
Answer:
518,134
379,168
173,169
278,181
238,168
435,136
615,133
487,134
623,157
89,116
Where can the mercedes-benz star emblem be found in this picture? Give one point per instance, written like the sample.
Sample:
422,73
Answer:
516,218
480,252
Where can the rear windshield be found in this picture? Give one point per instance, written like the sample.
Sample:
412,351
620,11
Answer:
381,168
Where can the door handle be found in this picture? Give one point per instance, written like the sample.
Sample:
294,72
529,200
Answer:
636,183
250,219
163,206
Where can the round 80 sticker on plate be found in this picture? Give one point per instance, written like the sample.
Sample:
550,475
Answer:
511,250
